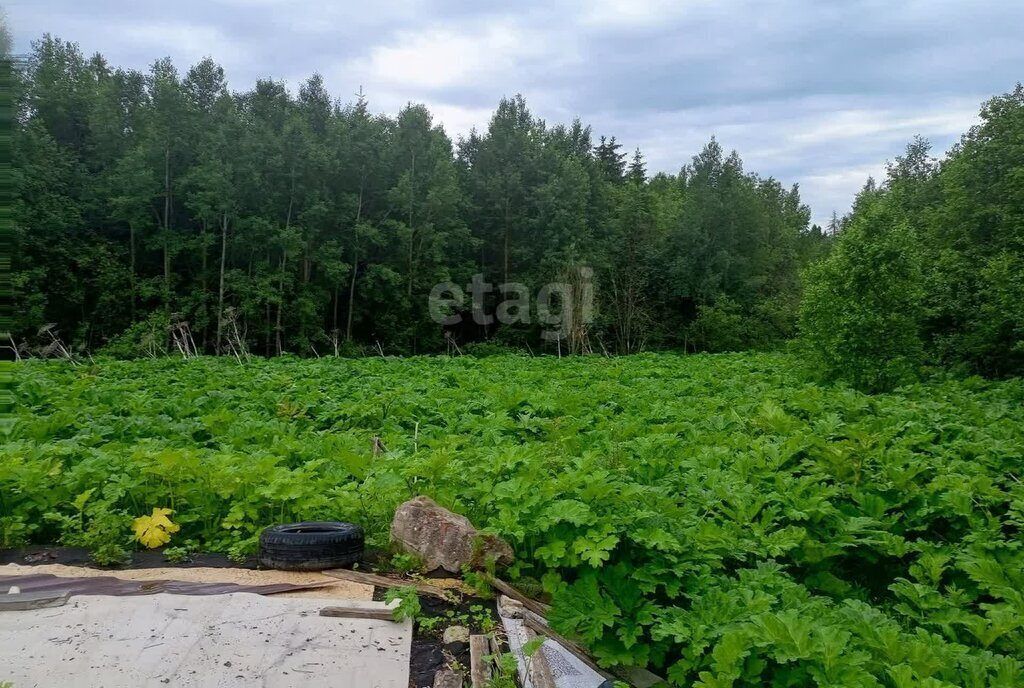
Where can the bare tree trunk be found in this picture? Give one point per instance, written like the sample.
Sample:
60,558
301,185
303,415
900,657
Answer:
267,318
483,271
628,281
204,283
266,339
280,303
412,232
334,322
220,291
284,263
355,262
307,260
507,230
351,293
131,253
167,228
307,269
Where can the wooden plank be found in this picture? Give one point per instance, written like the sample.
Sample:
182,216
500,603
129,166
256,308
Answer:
479,669
353,612
383,582
533,605
537,624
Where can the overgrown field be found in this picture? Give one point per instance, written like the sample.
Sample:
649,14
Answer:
713,516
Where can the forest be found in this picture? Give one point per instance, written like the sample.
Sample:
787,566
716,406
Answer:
267,222
318,226
841,505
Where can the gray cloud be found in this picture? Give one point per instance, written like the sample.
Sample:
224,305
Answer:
819,93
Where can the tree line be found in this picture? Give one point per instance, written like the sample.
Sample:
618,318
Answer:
281,222
928,269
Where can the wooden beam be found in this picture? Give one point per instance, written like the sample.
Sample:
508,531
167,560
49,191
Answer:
533,605
353,612
479,669
382,581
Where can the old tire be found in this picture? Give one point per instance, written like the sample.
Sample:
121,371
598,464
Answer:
311,546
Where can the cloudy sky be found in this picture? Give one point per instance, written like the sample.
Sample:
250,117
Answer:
817,92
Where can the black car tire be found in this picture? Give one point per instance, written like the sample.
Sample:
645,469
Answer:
311,546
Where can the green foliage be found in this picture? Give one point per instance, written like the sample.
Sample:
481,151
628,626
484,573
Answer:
177,555
408,606
530,647
276,220
505,671
720,327
479,581
404,562
485,349
96,524
974,235
863,305
930,264
147,338
477,619
714,517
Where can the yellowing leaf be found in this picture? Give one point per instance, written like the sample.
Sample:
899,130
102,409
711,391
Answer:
81,499
155,530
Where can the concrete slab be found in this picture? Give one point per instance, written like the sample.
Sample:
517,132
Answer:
232,640
565,668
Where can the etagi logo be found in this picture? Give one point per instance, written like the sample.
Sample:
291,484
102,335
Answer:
559,306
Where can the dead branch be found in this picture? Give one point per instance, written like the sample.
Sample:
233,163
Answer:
55,347
383,582
12,346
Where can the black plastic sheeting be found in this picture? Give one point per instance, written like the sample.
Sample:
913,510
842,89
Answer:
108,585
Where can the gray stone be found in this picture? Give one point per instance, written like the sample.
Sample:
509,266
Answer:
447,678
456,634
443,539
509,608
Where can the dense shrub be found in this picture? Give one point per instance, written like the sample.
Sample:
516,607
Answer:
930,265
712,516
862,308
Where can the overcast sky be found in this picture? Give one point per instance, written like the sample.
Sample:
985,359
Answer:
817,92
